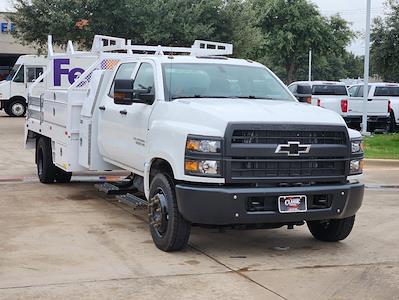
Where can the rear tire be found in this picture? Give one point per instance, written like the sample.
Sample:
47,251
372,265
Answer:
46,170
16,108
331,230
393,127
169,230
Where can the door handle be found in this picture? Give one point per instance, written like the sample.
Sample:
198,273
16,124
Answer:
101,107
123,112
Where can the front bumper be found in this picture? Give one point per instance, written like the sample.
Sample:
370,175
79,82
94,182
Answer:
229,205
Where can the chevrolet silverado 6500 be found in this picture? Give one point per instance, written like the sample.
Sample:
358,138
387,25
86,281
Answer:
209,140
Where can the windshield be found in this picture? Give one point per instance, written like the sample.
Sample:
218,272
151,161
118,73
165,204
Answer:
196,80
329,90
13,72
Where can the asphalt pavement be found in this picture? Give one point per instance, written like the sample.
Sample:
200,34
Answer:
69,241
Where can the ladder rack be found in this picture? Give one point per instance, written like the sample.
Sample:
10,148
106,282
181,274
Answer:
102,43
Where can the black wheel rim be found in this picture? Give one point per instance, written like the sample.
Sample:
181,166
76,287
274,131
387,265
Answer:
158,212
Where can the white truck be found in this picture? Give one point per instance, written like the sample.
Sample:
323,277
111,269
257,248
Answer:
209,140
13,90
378,91
335,96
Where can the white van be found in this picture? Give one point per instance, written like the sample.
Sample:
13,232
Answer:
13,90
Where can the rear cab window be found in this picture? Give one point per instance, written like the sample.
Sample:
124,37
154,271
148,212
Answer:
390,91
329,90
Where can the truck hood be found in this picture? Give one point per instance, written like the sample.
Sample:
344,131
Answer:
263,111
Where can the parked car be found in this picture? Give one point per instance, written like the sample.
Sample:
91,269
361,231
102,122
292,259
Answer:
335,96
378,91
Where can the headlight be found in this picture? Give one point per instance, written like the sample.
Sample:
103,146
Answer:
356,166
202,167
357,146
203,156
203,145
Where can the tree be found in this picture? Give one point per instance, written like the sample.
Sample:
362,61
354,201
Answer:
172,22
291,28
385,47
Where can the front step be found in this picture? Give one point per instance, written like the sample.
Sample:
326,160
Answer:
114,189
132,200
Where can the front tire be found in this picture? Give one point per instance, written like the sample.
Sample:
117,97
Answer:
16,108
169,230
331,230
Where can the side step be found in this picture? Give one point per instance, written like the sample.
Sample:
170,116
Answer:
132,200
114,189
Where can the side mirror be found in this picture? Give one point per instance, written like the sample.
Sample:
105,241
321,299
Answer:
123,91
144,95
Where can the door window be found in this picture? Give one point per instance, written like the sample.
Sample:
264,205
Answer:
33,73
125,71
292,88
360,89
20,77
145,79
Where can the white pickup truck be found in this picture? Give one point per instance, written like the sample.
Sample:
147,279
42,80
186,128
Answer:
209,140
13,90
378,91
335,96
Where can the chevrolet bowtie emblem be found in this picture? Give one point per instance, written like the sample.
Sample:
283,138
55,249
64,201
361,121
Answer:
293,149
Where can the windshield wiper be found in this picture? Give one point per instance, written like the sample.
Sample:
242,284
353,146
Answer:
198,96
254,97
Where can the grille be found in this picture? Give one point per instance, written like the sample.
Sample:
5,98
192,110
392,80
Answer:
284,136
250,153
260,168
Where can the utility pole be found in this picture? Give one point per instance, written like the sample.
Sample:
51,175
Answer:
310,64
366,69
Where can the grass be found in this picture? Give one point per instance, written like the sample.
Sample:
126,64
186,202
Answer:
383,146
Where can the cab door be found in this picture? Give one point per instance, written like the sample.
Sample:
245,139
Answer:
31,74
138,115
123,126
111,135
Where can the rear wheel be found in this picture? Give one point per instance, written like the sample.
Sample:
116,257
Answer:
393,127
331,230
169,230
16,108
44,161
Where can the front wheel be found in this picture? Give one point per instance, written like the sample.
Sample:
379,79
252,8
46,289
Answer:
331,230
17,108
169,230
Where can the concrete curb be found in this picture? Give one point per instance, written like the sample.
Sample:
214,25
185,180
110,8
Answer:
386,163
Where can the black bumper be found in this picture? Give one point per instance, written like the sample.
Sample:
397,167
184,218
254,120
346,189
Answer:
229,205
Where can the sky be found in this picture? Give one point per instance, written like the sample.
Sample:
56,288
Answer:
352,10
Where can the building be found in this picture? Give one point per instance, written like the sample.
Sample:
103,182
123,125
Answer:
10,48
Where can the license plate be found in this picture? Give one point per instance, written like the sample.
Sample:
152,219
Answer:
292,204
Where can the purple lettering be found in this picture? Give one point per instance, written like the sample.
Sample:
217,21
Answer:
58,71
74,74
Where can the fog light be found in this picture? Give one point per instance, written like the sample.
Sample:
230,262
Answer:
356,166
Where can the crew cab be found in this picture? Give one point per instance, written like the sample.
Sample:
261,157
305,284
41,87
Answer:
209,140
377,92
13,90
335,96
